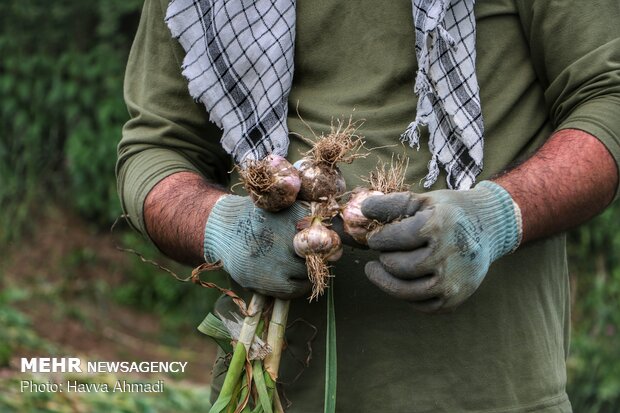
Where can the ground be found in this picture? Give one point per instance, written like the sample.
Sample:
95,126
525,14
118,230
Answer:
63,275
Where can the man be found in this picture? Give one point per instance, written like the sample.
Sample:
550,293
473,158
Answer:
489,262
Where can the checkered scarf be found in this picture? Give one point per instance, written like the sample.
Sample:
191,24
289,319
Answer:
239,63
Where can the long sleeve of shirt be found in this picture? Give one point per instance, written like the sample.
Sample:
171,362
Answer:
575,51
167,132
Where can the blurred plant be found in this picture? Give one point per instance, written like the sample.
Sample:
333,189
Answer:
182,306
594,362
16,332
62,108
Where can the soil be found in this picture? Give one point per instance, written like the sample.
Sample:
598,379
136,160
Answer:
67,311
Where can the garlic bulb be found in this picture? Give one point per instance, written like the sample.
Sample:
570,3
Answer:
318,240
318,245
355,223
319,180
272,183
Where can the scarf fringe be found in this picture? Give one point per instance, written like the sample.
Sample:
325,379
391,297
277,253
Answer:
411,135
433,173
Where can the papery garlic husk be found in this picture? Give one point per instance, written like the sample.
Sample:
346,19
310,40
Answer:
272,183
354,222
319,181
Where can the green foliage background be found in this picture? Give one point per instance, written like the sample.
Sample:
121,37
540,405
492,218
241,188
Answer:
61,71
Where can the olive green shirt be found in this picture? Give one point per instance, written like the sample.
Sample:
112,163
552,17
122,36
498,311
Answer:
541,65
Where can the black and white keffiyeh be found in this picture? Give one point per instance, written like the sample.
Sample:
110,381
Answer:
239,63
447,87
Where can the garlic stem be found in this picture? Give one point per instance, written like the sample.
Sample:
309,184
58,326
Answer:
275,336
277,404
248,330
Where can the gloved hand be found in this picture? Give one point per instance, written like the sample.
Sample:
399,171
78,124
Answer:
436,247
256,247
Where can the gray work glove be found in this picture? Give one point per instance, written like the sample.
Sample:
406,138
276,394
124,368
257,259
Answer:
256,246
436,247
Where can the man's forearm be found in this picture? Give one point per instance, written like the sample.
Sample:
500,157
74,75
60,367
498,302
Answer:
175,214
566,182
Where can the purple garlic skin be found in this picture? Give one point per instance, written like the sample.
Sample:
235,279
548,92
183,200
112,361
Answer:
355,223
318,240
283,193
319,181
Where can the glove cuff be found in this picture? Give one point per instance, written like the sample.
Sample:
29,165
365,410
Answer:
222,222
505,218
519,220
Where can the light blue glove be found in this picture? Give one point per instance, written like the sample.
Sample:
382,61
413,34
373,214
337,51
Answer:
436,247
256,247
